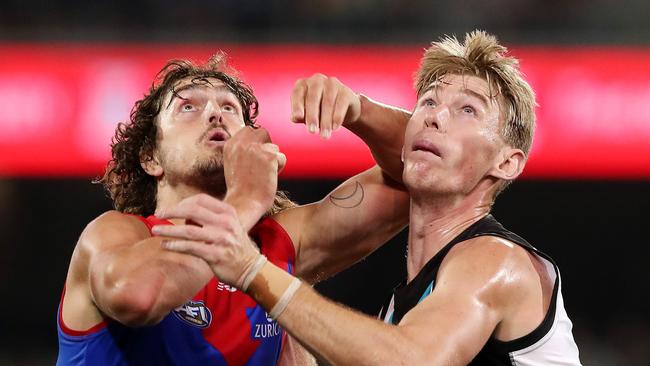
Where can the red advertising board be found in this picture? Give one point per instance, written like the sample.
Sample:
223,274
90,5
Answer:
60,103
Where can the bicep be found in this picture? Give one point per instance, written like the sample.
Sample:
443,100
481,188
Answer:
349,223
469,300
132,278
106,242
450,330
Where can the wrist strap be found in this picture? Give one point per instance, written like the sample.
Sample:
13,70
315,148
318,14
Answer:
248,278
284,299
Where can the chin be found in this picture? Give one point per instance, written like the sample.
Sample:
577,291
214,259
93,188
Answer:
209,166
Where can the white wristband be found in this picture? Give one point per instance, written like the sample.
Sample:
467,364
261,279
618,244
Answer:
259,263
284,299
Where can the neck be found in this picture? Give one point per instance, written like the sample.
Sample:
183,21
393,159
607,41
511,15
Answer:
434,222
168,196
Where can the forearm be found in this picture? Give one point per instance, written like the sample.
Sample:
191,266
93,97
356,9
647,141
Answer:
330,331
382,127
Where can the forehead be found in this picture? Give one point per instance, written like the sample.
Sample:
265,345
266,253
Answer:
457,82
199,84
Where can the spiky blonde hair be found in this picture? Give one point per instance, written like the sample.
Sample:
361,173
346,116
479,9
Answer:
481,55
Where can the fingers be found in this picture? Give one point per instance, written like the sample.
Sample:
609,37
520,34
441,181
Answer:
298,101
194,212
184,232
327,108
261,135
201,250
249,134
323,103
315,86
275,150
282,161
339,111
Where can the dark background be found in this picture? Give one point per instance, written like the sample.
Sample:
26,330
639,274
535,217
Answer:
593,229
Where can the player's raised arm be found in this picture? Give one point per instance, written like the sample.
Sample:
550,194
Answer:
367,209
324,104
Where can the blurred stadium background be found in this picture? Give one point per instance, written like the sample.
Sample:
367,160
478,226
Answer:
70,70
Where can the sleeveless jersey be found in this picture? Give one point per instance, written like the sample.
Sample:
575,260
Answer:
551,343
219,326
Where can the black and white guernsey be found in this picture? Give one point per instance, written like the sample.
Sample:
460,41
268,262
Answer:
551,343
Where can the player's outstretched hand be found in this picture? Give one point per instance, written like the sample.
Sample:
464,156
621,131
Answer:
212,232
324,104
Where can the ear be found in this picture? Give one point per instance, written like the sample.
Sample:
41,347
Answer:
509,164
151,164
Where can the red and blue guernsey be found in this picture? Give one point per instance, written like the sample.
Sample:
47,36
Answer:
219,326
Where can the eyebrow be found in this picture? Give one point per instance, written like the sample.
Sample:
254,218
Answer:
480,96
219,88
467,91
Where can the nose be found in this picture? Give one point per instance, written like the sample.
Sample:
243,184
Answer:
437,118
213,113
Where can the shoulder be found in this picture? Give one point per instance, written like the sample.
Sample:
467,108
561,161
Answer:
108,230
502,271
111,228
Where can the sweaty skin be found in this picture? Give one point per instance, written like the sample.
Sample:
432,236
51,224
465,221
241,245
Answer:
119,271
454,160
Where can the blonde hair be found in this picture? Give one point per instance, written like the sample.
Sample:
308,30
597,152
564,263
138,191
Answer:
481,55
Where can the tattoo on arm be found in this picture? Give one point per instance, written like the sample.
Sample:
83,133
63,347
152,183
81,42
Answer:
352,200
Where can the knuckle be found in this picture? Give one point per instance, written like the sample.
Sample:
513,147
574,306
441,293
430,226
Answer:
332,82
330,96
231,210
193,231
202,198
299,83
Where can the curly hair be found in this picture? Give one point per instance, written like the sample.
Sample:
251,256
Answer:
131,189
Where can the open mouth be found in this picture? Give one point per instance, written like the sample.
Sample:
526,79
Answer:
426,146
218,135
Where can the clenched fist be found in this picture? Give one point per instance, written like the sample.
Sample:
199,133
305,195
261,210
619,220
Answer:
251,166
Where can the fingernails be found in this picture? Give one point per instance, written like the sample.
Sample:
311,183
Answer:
166,244
325,133
312,128
154,230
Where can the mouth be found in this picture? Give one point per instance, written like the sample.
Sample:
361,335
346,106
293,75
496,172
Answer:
217,136
426,146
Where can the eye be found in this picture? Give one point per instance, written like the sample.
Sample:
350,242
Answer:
229,108
429,102
188,107
469,109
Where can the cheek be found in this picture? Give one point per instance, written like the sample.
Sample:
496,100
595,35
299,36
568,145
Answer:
411,130
474,154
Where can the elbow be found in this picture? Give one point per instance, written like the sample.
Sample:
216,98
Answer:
126,302
135,308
